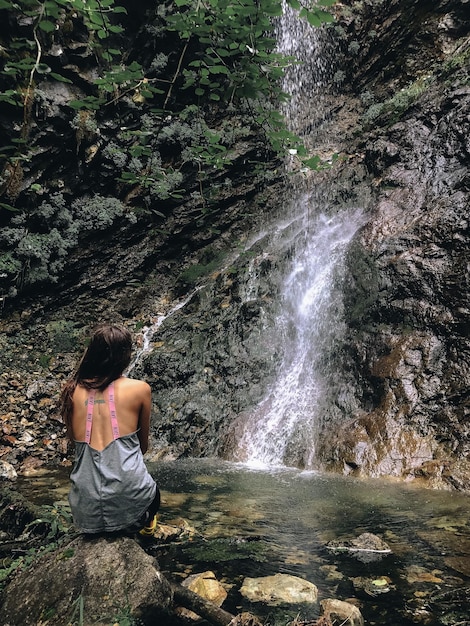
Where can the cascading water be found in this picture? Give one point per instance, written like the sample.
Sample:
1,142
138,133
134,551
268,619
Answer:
309,326
282,429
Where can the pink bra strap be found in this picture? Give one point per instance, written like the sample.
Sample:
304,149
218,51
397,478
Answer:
89,415
112,411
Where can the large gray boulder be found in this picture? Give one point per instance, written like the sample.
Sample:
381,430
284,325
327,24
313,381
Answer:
100,579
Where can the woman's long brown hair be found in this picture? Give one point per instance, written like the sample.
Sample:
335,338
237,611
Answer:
105,359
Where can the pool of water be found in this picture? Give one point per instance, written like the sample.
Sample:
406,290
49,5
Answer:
254,523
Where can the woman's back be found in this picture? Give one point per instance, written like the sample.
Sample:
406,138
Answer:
132,401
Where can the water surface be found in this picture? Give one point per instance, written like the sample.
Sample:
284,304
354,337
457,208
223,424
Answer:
254,523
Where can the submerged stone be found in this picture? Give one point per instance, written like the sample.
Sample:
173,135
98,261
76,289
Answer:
367,547
418,574
339,612
373,587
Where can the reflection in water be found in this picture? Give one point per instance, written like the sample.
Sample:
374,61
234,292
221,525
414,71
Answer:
256,523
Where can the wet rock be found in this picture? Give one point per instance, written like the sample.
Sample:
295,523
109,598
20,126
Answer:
279,589
460,564
339,612
97,576
366,548
7,471
419,574
372,587
208,587
171,532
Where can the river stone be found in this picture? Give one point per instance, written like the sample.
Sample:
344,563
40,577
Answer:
208,587
7,471
107,574
340,612
372,587
459,563
279,589
367,547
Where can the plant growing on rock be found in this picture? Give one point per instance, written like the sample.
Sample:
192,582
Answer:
209,58
36,245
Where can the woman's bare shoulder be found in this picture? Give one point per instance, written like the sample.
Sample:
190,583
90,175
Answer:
80,393
133,385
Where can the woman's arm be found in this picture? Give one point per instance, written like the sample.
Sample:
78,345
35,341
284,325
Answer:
144,417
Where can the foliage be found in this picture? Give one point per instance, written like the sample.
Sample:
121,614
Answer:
63,336
54,522
194,272
394,107
219,55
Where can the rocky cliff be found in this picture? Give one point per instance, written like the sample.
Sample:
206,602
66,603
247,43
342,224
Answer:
401,106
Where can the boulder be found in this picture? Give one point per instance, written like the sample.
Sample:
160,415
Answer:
98,578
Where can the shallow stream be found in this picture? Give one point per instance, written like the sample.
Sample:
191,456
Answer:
255,523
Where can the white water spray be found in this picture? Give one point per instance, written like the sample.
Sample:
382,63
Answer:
281,431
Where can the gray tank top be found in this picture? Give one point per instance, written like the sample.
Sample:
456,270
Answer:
111,488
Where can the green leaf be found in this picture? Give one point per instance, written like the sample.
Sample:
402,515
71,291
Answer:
313,19
46,26
89,102
42,68
8,207
325,16
312,163
60,78
218,69
128,176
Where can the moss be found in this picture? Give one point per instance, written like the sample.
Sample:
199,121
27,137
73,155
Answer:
63,336
221,550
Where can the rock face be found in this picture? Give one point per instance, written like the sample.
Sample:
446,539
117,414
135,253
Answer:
401,113
406,296
408,301
102,579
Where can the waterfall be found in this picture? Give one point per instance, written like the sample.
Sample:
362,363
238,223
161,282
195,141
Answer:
310,325
145,344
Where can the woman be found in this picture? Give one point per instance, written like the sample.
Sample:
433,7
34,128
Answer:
108,418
